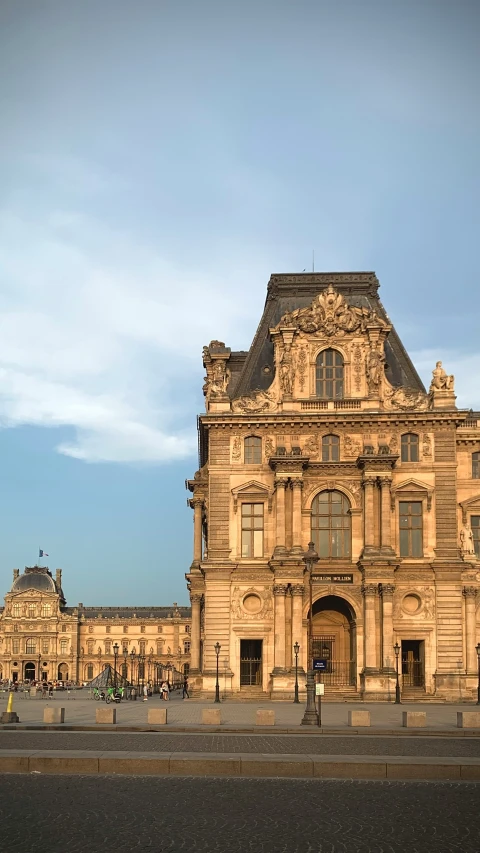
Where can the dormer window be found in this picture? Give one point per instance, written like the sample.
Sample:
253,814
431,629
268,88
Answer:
252,450
409,451
329,375
330,448
16,610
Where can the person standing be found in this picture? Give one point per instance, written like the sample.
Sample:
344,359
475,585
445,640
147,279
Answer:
145,692
185,688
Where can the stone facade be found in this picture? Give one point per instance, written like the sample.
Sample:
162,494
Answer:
42,638
324,432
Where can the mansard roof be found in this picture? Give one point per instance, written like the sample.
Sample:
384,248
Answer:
134,612
287,292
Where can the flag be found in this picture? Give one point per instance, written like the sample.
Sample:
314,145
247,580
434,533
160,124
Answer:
41,554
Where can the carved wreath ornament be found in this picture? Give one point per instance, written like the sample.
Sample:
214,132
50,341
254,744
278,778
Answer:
252,603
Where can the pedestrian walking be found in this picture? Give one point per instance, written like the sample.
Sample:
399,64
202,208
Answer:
185,688
165,691
145,692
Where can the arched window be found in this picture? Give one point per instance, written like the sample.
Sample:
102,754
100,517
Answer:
476,466
409,447
252,450
331,525
329,375
330,448
31,646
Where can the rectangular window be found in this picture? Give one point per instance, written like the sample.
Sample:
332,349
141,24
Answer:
187,629
16,610
45,645
411,529
64,628
31,646
186,647
46,610
107,629
107,647
63,647
142,647
252,530
15,647
475,525
475,466
90,671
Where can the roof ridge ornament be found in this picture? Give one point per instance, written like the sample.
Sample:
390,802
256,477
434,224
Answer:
330,314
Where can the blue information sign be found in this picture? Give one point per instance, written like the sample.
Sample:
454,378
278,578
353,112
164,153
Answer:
320,663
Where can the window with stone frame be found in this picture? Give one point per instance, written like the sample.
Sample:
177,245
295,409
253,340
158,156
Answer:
45,646
46,610
16,646
90,646
142,629
331,525
160,647
63,647
64,628
90,671
31,611
475,525
409,447
411,528
252,450
30,646
107,629
107,647
476,466
186,647
142,645
187,629
252,530
330,448
16,610
329,375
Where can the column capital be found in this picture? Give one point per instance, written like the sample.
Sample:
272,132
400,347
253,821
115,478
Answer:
281,482
194,502
280,589
385,480
298,589
369,480
297,483
469,591
387,589
370,589
196,598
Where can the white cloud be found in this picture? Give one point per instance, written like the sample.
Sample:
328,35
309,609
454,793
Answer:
102,336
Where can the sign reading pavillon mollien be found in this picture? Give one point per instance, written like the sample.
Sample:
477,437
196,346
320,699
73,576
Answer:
333,578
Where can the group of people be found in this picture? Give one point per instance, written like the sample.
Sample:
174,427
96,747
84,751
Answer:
165,690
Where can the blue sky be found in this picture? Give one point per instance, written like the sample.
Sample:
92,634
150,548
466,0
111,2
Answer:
159,159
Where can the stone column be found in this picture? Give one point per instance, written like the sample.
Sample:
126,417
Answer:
385,530
279,591
470,629
368,485
197,504
297,485
297,611
280,485
369,594
195,632
388,655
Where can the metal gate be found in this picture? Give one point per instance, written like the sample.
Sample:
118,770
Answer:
339,673
412,673
250,663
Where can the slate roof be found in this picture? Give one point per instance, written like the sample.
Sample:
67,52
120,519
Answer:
133,612
286,292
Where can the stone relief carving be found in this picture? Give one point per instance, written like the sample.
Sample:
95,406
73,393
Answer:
287,371
302,363
357,367
351,446
406,399
311,447
257,401
440,380
236,448
356,490
374,370
428,600
329,314
393,445
466,542
427,445
240,612
269,447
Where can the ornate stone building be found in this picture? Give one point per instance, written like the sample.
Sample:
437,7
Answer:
42,638
324,432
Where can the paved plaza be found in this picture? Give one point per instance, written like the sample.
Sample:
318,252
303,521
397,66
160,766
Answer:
67,814
80,710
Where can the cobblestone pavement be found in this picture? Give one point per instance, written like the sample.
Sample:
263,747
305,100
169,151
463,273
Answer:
261,743
81,711
74,814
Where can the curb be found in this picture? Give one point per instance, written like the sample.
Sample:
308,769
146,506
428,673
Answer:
247,730
238,765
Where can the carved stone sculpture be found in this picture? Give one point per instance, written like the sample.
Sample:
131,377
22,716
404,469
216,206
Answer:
311,447
257,401
237,448
466,541
269,447
374,369
406,399
287,372
440,380
329,314
351,446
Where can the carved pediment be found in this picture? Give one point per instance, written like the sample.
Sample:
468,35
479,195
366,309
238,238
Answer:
329,314
411,490
471,505
252,491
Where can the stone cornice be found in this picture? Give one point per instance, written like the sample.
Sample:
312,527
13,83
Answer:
340,418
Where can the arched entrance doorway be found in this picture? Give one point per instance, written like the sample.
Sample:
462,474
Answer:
334,640
29,671
63,672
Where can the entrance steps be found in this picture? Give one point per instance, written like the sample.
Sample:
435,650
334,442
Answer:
341,694
410,695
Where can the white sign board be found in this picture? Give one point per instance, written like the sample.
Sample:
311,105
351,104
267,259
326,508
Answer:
319,690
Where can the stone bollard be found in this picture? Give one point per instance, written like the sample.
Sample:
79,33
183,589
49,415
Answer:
54,715
157,716
264,718
106,715
414,719
468,719
358,718
211,716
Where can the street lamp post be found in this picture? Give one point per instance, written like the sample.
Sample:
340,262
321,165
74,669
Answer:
310,717
296,649
39,667
478,686
217,684
396,649
132,670
115,653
